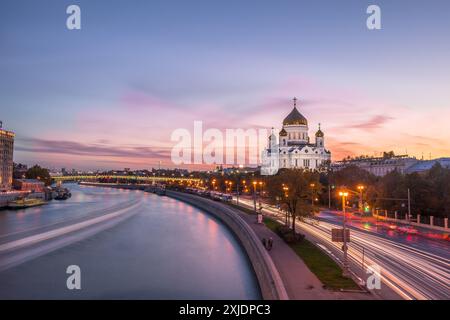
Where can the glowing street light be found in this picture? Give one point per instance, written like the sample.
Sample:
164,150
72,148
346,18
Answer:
254,194
312,185
344,195
361,188
286,190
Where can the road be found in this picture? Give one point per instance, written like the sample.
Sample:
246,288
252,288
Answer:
411,268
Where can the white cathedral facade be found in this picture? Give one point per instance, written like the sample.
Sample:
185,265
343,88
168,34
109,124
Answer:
294,148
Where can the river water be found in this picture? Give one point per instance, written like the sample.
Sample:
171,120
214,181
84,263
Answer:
164,249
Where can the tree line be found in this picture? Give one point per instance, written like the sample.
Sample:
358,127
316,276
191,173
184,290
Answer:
429,191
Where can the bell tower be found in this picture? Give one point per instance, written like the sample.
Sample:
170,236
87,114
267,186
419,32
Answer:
320,140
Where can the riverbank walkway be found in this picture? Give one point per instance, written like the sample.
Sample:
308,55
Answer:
299,281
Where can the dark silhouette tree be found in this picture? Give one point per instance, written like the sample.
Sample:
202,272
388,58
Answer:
293,190
36,172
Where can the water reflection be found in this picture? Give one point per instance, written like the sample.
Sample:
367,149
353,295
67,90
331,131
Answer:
167,250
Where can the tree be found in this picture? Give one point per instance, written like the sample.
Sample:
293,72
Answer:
389,154
19,170
438,179
430,190
36,172
390,186
351,177
293,190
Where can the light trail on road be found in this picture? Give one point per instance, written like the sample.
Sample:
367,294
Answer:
411,272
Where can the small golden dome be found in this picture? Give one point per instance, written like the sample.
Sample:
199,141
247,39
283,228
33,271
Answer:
283,133
319,133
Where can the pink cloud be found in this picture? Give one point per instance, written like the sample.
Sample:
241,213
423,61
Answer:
353,122
375,122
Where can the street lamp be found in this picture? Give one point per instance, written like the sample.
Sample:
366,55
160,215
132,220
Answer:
344,195
244,186
312,185
361,188
260,193
286,195
254,195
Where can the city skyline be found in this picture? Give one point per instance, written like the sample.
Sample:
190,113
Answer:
110,95
199,152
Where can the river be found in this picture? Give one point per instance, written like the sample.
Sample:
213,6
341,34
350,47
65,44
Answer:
157,248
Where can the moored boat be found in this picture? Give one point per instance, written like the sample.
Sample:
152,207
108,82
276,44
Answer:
25,203
61,193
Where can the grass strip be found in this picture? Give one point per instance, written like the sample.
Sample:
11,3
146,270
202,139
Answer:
321,264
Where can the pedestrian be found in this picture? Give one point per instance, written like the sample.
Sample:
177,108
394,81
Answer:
270,243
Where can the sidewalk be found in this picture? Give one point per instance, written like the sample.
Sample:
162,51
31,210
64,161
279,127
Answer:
300,282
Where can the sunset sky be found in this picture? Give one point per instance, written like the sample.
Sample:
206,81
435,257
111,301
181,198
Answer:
110,95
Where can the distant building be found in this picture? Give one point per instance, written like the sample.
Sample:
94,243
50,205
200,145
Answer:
425,165
32,185
379,166
6,158
383,165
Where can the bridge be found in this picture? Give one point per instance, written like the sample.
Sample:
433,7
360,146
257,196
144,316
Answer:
128,178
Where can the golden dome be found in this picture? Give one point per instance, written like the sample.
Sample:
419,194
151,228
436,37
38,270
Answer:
295,118
283,133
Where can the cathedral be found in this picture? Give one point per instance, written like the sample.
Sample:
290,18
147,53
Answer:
295,150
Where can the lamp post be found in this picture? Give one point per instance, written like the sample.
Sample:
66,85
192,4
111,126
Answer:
312,185
329,196
409,206
254,195
260,193
286,195
237,192
361,188
344,195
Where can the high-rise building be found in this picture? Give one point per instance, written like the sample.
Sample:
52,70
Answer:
6,158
